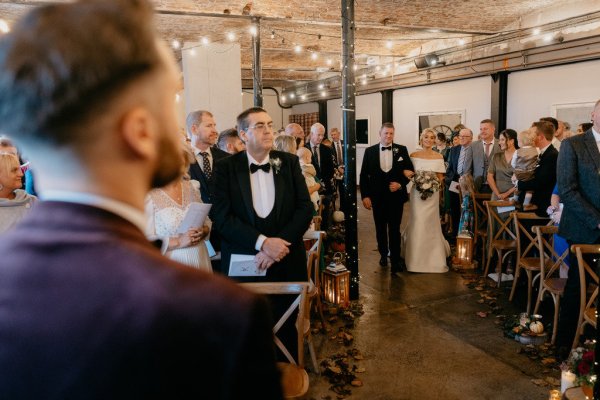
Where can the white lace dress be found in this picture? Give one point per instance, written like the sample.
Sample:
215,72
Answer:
164,217
424,246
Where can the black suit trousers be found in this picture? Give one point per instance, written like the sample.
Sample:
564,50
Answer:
387,213
455,211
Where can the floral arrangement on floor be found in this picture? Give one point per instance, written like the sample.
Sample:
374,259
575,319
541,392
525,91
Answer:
581,363
426,183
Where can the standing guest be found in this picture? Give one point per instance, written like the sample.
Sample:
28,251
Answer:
338,152
324,162
460,162
524,163
545,174
229,141
166,208
14,202
584,127
296,131
202,131
285,143
384,174
483,151
500,171
440,145
90,308
559,127
455,141
579,189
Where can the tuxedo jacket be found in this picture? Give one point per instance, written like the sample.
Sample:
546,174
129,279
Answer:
237,222
326,168
92,310
453,157
196,173
374,183
479,162
579,188
543,182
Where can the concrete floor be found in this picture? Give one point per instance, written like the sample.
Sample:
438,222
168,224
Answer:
421,338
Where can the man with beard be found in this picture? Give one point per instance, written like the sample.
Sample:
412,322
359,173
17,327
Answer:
91,309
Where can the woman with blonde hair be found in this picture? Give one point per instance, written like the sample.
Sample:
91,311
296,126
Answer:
285,143
14,202
166,208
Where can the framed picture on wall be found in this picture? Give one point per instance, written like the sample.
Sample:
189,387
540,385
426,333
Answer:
440,121
362,132
573,113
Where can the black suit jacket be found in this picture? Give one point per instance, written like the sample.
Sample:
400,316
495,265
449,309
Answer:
374,183
579,188
196,173
544,181
235,218
91,310
326,169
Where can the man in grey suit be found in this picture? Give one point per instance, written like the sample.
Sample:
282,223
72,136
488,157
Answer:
579,190
483,150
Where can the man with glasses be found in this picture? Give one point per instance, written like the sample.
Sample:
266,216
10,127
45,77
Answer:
460,162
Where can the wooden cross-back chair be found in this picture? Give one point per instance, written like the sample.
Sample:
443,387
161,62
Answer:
527,251
480,222
314,270
587,307
550,264
499,230
294,378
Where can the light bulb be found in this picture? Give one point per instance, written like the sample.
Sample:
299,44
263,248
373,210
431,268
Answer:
205,41
231,36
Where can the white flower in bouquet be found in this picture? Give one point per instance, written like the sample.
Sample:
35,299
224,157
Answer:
426,183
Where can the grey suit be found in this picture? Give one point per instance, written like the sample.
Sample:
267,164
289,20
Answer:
481,162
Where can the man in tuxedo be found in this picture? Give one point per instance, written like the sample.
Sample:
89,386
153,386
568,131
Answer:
202,131
483,150
460,162
338,152
383,180
90,308
545,174
579,190
324,162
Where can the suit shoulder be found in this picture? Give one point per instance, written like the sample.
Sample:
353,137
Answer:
218,153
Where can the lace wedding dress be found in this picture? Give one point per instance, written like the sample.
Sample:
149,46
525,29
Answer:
425,249
164,217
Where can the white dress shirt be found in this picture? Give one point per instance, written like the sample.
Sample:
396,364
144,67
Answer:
200,158
597,137
263,193
385,158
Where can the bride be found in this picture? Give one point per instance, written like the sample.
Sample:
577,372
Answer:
425,248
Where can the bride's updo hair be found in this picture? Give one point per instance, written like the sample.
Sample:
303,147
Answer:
426,131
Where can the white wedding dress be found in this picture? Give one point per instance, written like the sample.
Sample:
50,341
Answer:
164,217
424,246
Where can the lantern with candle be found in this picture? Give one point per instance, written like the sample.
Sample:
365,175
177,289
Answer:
336,282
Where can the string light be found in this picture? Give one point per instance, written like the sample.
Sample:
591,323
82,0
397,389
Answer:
329,61
536,31
298,48
292,95
231,36
205,41
323,94
176,44
253,30
4,26
314,55
389,44
461,42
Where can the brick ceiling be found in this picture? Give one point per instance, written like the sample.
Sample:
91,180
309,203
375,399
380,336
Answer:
386,29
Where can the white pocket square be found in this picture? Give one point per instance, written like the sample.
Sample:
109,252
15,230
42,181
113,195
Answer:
400,159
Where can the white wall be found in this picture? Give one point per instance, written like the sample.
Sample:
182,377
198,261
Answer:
533,93
367,107
279,115
473,96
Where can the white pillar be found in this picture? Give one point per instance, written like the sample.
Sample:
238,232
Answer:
212,78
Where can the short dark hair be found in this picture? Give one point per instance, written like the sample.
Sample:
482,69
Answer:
552,120
242,119
586,126
64,62
441,136
545,128
387,125
510,134
488,121
230,133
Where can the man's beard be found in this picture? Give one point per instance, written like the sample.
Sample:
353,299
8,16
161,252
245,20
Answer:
169,165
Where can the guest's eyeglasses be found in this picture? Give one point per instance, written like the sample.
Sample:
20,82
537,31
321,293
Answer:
261,127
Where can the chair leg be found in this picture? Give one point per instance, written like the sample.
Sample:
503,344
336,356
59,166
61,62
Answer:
556,299
499,267
313,356
539,300
578,332
487,263
514,285
529,289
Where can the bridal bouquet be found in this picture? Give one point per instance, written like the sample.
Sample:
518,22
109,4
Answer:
426,183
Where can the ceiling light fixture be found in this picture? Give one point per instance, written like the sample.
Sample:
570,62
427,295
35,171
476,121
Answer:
430,60
323,94
283,98
292,95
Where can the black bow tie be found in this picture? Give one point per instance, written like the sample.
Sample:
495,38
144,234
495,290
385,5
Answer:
386,148
265,167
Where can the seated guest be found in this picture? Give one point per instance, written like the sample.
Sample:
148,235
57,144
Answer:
14,202
310,175
166,209
285,143
90,308
230,142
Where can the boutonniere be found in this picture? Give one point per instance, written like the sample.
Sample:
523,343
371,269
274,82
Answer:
395,150
275,164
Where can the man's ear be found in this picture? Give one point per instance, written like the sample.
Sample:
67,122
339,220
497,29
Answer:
138,130
243,136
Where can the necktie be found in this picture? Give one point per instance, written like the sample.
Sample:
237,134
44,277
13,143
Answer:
265,167
206,165
487,149
316,154
386,148
338,150
461,161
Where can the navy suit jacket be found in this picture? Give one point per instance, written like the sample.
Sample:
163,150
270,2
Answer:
235,218
544,181
91,310
579,188
197,174
452,170
374,183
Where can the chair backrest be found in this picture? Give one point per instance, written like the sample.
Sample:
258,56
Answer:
317,243
494,219
580,250
527,244
480,218
299,289
545,243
